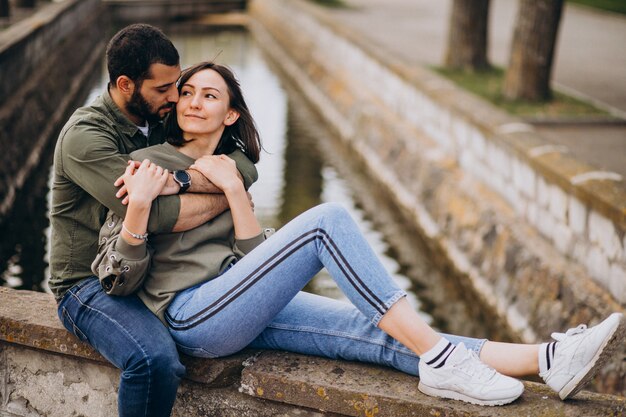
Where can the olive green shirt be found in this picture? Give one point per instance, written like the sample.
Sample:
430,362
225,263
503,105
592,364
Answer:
90,154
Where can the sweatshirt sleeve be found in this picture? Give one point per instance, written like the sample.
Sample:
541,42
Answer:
92,160
244,246
120,267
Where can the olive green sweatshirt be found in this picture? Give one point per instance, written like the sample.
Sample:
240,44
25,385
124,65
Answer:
168,262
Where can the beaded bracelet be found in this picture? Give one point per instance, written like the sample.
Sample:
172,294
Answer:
135,235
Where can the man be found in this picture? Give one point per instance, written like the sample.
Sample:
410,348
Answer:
91,153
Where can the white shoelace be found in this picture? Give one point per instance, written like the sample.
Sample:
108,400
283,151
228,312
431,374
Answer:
478,369
570,332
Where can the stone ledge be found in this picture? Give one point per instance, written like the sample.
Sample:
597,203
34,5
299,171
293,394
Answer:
364,390
30,319
341,388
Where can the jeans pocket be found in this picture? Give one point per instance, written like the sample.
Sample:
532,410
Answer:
69,324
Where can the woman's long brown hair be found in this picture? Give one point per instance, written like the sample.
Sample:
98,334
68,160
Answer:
242,134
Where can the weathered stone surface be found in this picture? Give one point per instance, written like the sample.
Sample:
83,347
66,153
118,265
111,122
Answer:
29,318
38,383
196,400
39,378
357,390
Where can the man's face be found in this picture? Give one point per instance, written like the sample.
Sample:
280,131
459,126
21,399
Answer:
156,95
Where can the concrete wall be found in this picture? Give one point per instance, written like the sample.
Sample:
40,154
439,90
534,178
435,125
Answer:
45,371
540,245
44,63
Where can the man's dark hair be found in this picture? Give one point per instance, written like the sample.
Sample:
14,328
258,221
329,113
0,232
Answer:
133,49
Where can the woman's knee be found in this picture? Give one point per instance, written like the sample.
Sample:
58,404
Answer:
333,212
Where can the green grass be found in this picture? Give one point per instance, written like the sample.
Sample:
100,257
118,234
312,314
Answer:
488,85
617,6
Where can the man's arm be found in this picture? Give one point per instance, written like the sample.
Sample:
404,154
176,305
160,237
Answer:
196,209
200,184
92,160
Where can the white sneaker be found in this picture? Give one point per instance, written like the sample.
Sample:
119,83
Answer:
464,377
580,352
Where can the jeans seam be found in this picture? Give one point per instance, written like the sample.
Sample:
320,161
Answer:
343,335
146,356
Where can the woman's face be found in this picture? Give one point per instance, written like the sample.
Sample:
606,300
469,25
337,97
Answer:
203,108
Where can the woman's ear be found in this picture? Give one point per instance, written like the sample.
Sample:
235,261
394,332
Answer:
125,85
231,117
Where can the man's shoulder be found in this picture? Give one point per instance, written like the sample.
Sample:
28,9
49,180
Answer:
87,123
91,116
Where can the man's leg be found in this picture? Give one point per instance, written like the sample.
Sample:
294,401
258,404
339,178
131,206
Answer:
133,339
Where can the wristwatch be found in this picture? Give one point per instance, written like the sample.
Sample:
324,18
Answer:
183,179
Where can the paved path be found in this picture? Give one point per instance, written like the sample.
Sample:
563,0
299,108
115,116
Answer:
590,59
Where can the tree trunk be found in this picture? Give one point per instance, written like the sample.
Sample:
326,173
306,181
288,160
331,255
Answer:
5,10
532,51
467,35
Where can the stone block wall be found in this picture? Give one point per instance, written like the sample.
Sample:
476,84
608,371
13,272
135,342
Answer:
506,211
580,211
45,371
45,61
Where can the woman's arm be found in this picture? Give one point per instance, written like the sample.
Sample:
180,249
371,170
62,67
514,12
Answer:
143,185
222,171
123,256
120,266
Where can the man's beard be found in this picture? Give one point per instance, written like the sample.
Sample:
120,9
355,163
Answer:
140,107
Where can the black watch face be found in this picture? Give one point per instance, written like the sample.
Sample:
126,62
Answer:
182,176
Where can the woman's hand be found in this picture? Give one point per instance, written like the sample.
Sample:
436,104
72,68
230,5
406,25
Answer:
220,170
144,183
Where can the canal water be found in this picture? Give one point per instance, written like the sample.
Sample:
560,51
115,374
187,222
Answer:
303,165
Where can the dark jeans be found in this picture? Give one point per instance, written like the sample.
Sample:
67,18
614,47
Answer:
133,339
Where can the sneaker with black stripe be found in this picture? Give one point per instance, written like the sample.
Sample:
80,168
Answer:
577,355
460,375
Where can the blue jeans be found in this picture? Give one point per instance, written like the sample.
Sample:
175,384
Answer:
257,303
133,339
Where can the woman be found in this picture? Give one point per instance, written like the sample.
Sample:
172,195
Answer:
223,286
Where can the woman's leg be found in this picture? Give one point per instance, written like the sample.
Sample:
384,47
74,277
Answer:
245,299
498,355
315,325
224,315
